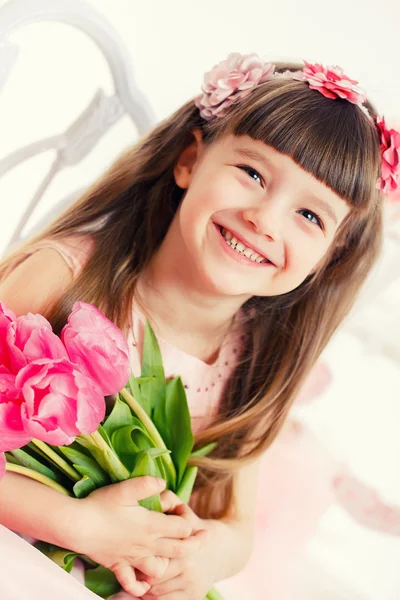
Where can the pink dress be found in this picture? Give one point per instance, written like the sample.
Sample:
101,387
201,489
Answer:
297,483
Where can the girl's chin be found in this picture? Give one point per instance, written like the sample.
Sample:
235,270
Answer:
226,286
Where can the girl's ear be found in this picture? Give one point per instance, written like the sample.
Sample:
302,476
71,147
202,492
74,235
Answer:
187,160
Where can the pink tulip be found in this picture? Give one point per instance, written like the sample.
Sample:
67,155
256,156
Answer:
59,401
31,338
12,433
6,317
97,346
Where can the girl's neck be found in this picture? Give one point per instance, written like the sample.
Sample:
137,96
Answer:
183,317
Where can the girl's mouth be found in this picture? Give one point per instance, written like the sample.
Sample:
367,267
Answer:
239,251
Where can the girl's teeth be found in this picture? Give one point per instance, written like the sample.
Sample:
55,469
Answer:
241,248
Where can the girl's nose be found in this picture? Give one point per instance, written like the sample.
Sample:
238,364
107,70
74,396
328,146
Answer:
266,220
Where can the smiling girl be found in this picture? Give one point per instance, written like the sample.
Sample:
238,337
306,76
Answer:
242,227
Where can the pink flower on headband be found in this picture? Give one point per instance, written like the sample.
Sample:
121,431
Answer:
229,81
390,150
332,83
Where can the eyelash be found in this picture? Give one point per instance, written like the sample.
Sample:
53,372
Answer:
247,168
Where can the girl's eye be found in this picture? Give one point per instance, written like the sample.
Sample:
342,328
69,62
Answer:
252,173
312,217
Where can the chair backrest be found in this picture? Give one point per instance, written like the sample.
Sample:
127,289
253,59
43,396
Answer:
74,144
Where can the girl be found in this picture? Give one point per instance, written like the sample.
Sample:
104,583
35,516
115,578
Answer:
242,227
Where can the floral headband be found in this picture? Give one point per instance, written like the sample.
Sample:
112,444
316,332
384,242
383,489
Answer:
234,78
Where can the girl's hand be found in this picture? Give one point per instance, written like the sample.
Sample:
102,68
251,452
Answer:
190,577
118,533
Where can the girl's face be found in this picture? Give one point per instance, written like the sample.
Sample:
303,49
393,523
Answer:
278,219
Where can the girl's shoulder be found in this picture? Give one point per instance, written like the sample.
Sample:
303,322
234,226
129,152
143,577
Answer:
74,249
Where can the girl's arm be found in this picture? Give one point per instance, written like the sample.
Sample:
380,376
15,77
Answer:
109,525
35,510
233,537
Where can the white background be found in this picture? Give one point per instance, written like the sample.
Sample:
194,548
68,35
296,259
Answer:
171,45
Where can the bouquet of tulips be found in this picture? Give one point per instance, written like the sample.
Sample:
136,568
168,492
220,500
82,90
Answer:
54,425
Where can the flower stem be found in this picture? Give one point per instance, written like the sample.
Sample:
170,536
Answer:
58,460
110,460
150,427
38,477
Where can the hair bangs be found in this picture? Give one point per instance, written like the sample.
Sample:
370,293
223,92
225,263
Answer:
333,140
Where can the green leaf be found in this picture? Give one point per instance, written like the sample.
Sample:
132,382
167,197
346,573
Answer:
106,458
120,416
153,385
213,594
45,458
11,459
63,558
84,486
128,441
141,380
133,386
204,450
26,460
104,435
102,581
90,466
178,418
146,465
186,486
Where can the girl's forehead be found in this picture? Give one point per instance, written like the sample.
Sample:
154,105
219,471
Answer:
257,149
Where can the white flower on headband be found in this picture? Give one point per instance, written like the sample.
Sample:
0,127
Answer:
230,81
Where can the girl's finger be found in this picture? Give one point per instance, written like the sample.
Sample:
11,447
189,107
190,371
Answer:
127,578
174,569
169,526
169,501
183,510
167,587
179,548
152,566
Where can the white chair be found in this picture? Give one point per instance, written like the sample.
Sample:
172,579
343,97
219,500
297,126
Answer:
74,144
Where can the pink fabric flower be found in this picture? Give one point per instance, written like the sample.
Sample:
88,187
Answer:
59,401
229,81
30,338
332,82
12,432
98,346
390,150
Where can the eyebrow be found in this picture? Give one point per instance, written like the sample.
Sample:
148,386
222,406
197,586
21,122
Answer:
264,162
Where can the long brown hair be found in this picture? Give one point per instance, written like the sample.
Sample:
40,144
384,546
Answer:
128,212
